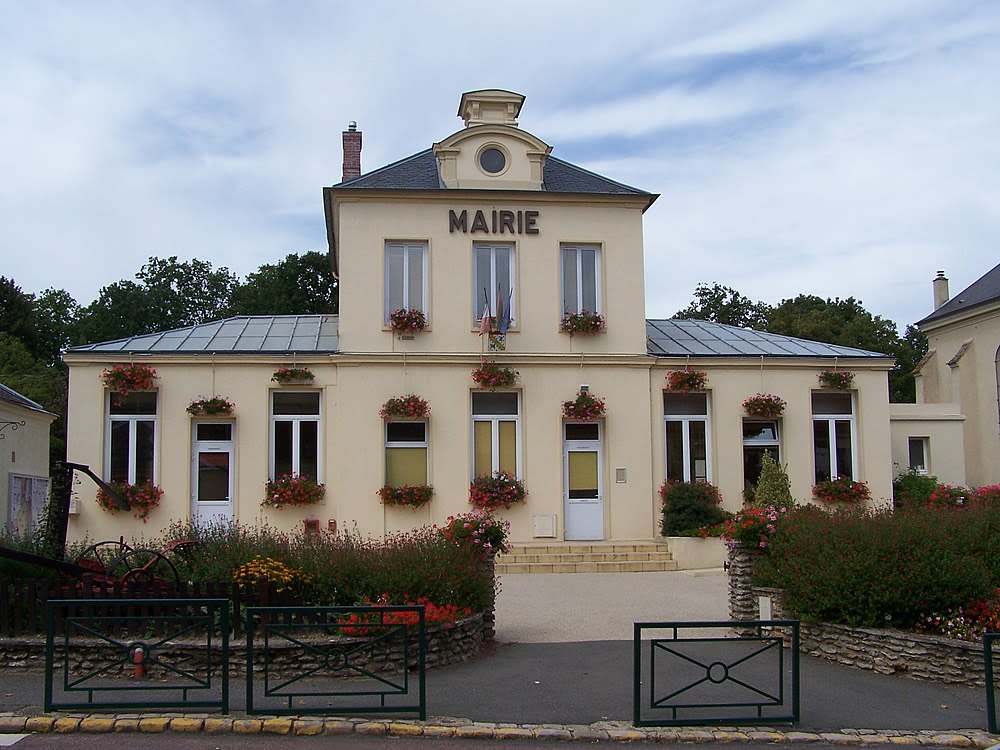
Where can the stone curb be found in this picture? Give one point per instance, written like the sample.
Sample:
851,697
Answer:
617,731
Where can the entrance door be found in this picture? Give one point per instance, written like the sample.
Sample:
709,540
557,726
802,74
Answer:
212,472
583,480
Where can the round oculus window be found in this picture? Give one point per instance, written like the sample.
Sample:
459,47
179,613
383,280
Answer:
492,160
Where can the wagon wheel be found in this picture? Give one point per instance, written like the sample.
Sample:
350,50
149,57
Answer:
145,566
98,558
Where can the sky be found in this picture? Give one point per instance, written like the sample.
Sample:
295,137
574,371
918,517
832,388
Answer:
837,148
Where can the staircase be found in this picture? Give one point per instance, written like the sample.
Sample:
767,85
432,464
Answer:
586,557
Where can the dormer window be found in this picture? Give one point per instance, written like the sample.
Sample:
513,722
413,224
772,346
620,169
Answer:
492,160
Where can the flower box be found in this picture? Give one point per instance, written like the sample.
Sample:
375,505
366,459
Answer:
410,406
842,491
496,490
838,379
411,495
765,405
217,406
584,408
292,489
686,380
584,322
129,378
410,320
491,375
141,498
292,376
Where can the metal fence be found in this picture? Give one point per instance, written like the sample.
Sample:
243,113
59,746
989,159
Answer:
336,660
137,653
698,673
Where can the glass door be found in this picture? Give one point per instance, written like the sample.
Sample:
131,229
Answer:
583,482
212,472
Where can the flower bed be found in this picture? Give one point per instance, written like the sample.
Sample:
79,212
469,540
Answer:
410,406
404,320
765,405
291,490
584,408
584,322
412,495
141,498
498,490
129,378
491,375
686,380
215,406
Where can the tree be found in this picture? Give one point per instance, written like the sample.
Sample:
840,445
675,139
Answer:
20,370
910,349
17,313
298,285
833,321
57,319
723,304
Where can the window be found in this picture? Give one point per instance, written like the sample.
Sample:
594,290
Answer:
27,499
759,437
917,450
405,277
405,453
580,274
833,435
495,427
493,275
131,437
686,420
295,437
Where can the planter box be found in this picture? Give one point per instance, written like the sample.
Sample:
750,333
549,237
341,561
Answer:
695,553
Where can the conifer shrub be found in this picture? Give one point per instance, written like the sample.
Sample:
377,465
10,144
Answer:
773,486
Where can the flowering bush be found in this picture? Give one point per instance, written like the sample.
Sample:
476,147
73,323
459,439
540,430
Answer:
583,322
129,378
478,529
404,320
413,495
988,495
686,380
292,375
752,527
361,624
410,406
141,498
765,405
491,375
217,405
840,379
967,623
274,571
947,496
688,506
842,491
500,489
584,408
292,489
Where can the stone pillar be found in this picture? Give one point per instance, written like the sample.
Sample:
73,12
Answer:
742,602
489,614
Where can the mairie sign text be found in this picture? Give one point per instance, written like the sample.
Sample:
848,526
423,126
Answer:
493,222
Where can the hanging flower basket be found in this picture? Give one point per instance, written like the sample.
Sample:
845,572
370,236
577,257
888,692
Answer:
217,406
412,495
584,408
584,322
129,378
491,375
496,490
292,489
141,498
765,405
410,406
842,491
838,379
686,380
407,321
292,375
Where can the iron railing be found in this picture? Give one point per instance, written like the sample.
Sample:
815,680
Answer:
683,675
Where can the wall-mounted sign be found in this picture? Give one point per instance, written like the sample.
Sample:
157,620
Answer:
493,222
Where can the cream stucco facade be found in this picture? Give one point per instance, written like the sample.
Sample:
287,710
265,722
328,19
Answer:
24,460
550,238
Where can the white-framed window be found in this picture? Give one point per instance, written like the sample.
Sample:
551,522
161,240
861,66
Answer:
405,277
130,447
295,434
918,453
492,279
686,425
581,274
27,499
833,436
405,453
760,436
496,426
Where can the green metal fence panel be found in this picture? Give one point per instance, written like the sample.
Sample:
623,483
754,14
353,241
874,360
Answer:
359,660
991,693
700,673
111,654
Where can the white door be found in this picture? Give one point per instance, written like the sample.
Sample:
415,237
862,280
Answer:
212,472
583,481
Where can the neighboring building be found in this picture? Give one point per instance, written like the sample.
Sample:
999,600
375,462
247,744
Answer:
24,459
953,431
486,219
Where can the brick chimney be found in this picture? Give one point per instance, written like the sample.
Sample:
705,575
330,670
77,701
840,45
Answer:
941,294
352,152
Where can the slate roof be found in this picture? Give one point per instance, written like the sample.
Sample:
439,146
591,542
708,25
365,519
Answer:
420,172
702,338
13,397
985,289
245,334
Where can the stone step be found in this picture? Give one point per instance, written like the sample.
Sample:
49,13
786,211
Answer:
586,557
637,566
595,557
